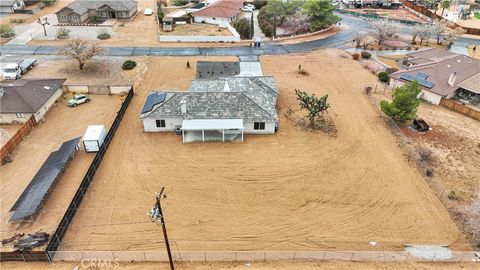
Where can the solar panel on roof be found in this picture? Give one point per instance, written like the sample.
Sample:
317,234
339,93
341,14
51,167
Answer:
422,75
422,82
152,100
31,199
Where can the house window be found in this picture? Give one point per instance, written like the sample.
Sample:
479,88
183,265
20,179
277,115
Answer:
103,14
122,14
20,115
63,18
160,123
214,18
75,19
259,126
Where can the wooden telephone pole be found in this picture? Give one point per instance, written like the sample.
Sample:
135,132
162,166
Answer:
156,215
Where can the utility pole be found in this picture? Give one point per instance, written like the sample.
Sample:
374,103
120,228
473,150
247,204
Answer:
156,215
43,24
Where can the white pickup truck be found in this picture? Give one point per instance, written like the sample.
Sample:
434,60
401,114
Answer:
14,71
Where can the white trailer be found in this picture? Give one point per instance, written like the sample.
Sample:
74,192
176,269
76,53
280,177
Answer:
93,138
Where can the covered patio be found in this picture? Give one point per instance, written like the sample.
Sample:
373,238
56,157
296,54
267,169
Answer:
202,130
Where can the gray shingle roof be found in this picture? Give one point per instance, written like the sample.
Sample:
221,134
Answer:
82,6
27,96
248,98
439,72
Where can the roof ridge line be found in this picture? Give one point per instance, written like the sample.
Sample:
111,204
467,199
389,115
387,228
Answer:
261,107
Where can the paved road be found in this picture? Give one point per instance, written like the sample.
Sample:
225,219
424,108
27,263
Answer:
338,40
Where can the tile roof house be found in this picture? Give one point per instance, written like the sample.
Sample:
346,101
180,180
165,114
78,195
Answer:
81,10
441,75
248,102
24,98
219,12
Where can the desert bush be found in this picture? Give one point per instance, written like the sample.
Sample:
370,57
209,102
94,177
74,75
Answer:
6,31
355,56
129,65
180,2
426,155
391,70
63,33
452,195
17,20
243,27
160,15
302,71
366,55
103,34
383,77
94,18
259,3
48,2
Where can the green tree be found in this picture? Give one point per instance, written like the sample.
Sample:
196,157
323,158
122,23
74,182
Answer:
445,4
314,105
404,104
243,27
320,13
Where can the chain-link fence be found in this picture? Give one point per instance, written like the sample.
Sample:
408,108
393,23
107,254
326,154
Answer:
242,256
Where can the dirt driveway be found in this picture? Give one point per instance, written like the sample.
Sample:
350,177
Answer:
62,124
295,190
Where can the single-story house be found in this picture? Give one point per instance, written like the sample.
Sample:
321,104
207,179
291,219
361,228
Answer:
440,75
81,10
232,105
221,12
9,6
24,98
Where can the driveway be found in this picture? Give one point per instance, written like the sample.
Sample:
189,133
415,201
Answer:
34,29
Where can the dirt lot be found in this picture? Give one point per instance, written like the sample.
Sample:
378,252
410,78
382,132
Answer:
98,71
399,14
295,190
6,132
62,124
197,29
252,265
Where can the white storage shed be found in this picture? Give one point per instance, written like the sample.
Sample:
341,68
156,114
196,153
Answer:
93,138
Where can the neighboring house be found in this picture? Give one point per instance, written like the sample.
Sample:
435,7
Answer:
221,12
24,98
9,6
81,10
226,105
441,74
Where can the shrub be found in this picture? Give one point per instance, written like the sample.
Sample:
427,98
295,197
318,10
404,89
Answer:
452,195
48,2
391,70
383,77
63,33
426,155
355,56
366,54
259,3
6,31
160,15
94,18
180,2
268,30
103,34
129,65
17,20
243,27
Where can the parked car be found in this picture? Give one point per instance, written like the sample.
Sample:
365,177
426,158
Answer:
77,100
148,12
420,125
14,71
246,9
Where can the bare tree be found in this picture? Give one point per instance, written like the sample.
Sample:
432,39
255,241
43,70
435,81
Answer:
425,32
81,50
297,21
439,29
384,30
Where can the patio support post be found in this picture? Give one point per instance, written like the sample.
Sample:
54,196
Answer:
183,135
223,134
203,135
242,135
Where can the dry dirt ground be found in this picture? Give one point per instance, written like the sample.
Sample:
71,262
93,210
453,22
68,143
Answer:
400,14
98,71
197,29
6,132
295,190
62,123
248,265
29,18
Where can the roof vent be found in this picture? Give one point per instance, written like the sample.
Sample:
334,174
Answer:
448,66
183,107
452,79
46,87
226,88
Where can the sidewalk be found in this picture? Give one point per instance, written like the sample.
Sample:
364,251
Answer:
257,32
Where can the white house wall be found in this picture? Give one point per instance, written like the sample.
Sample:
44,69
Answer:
12,118
269,128
150,125
431,97
211,20
44,109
